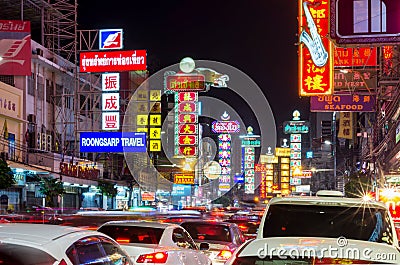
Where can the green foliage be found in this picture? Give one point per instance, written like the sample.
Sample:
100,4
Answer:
107,188
224,200
51,188
358,184
6,175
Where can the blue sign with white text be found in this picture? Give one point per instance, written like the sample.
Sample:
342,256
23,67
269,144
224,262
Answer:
112,142
181,190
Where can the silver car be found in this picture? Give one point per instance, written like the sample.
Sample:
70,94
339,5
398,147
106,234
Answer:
222,238
155,243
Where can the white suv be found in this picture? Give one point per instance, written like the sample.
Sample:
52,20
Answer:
324,229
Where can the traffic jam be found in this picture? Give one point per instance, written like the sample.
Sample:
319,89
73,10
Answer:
323,229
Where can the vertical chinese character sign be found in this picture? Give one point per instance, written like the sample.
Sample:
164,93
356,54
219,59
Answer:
155,120
249,142
315,49
225,127
110,101
186,116
345,125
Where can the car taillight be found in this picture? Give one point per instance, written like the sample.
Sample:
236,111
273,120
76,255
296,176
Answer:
122,240
224,254
62,262
243,228
157,257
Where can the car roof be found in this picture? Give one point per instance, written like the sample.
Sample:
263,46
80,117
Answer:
41,234
141,224
208,222
326,201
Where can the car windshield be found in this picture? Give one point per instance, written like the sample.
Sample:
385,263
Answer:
360,223
208,232
11,254
133,234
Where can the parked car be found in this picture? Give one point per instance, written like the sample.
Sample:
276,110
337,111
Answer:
223,238
248,227
33,244
154,242
329,216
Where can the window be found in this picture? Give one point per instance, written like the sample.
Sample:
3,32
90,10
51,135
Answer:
133,234
8,79
96,251
369,16
208,232
360,223
11,254
181,239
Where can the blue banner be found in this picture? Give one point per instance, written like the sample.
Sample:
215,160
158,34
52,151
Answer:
181,190
112,142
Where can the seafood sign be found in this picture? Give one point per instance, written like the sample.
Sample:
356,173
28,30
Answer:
348,103
97,62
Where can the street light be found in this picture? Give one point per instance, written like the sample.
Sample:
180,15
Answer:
333,144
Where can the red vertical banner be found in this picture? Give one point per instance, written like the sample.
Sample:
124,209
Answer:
315,49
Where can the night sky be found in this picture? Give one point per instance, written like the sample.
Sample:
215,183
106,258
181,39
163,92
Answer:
257,37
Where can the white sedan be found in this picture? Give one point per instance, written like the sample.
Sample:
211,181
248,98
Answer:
155,243
33,244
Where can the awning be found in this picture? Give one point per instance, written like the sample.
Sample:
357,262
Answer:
35,169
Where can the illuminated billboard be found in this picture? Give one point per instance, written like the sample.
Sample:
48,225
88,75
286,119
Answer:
315,49
118,142
110,39
357,22
15,47
112,61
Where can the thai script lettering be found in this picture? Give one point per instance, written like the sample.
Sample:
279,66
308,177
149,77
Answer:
79,171
14,25
112,61
7,104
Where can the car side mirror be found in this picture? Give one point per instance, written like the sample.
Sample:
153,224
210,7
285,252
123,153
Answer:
204,246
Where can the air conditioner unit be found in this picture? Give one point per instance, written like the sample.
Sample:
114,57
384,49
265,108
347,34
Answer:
4,156
48,144
39,51
32,118
39,141
43,147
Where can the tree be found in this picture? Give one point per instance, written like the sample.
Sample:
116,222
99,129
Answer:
6,175
107,188
51,188
358,184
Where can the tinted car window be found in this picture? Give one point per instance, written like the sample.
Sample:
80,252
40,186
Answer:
211,232
11,254
360,223
114,253
96,250
183,239
133,234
